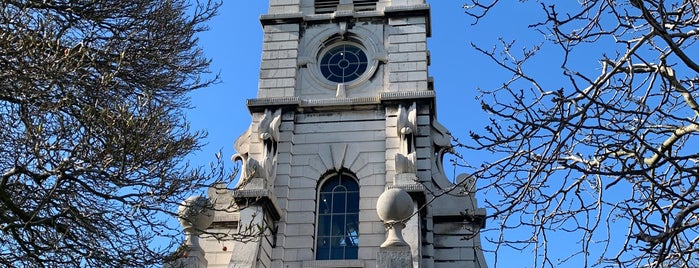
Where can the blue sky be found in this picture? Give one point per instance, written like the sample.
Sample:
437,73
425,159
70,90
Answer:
235,40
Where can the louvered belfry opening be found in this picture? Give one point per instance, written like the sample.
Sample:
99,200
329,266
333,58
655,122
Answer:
330,6
365,5
326,6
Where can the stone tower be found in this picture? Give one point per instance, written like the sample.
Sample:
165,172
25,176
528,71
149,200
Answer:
345,111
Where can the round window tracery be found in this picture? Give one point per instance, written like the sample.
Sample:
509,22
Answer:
343,63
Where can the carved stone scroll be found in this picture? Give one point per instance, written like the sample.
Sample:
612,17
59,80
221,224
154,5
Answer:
259,173
268,130
406,128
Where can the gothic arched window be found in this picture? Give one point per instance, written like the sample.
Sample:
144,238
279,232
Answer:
337,235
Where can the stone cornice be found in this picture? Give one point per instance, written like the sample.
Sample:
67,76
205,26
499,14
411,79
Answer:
260,104
277,101
389,12
409,95
410,188
411,11
261,196
281,18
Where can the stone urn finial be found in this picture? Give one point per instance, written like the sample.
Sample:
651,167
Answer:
394,207
195,214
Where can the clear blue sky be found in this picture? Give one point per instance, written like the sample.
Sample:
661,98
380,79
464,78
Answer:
235,40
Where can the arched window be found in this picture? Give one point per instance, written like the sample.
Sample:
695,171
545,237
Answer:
337,237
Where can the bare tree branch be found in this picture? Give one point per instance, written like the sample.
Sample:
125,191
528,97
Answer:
609,158
91,152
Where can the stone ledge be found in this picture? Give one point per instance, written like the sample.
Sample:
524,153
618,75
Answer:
401,95
281,18
475,216
340,102
298,17
410,188
262,196
422,9
261,103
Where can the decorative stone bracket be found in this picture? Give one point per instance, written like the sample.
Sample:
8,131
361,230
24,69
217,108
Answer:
407,131
259,173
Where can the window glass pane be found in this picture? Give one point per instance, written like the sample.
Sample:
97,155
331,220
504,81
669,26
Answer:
352,223
338,219
349,184
329,185
339,202
337,253
352,58
343,63
323,253
337,72
351,253
324,203
338,225
362,58
324,225
353,202
353,240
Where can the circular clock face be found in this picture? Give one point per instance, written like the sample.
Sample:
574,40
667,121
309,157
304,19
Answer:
343,63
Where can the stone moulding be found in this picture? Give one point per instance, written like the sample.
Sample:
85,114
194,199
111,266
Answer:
263,197
402,95
281,18
389,11
260,104
266,102
410,188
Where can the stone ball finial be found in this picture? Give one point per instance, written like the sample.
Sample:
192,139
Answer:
195,214
394,205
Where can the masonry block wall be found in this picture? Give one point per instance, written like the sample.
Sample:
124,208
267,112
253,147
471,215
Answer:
324,142
407,54
279,61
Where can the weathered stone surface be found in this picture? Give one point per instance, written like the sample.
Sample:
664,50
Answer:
394,257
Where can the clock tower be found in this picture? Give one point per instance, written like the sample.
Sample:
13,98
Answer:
345,112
